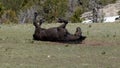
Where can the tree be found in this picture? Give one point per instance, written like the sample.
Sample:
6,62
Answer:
53,9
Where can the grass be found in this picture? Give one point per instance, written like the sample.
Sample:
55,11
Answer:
100,50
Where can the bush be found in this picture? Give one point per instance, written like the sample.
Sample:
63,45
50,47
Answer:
1,9
9,16
76,15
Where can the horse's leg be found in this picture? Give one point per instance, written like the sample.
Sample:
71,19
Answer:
76,36
78,32
63,25
65,22
39,33
41,21
34,20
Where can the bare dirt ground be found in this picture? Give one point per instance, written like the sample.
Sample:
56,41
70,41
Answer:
99,43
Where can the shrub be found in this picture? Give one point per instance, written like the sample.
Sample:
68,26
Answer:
76,15
9,16
1,9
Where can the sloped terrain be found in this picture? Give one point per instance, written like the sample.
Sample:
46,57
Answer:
112,9
108,10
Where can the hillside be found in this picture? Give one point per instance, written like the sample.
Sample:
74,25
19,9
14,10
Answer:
108,10
21,11
112,9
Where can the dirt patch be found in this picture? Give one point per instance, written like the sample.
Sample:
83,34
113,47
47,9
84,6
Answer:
99,43
88,42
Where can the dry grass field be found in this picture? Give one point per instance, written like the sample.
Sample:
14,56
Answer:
101,49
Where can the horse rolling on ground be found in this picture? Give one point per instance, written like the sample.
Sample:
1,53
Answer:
59,34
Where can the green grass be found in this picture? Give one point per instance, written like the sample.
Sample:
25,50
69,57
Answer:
101,49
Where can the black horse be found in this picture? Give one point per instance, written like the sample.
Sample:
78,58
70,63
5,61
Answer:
59,33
